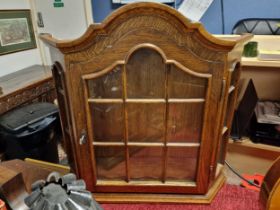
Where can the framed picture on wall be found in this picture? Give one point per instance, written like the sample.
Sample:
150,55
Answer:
16,31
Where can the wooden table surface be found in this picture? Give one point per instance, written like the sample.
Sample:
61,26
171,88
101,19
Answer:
34,83
33,170
20,79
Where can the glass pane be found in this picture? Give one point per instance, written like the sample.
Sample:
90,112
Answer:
145,163
184,85
146,122
181,163
110,163
185,122
108,123
107,86
145,75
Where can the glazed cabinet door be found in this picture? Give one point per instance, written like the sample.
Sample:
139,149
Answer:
146,122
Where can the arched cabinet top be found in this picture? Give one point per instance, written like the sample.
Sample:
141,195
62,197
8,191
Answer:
151,48
143,15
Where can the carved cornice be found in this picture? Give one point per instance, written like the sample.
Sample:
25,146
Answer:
131,11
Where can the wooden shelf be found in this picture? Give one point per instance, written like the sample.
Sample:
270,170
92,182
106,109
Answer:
264,42
260,63
251,158
248,147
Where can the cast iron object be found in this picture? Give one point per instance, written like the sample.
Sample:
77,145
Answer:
61,193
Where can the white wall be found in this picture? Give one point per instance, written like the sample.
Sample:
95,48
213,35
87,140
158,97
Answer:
16,61
68,22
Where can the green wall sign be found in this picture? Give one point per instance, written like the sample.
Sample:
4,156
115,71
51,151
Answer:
58,3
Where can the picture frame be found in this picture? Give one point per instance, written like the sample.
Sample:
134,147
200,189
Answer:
16,31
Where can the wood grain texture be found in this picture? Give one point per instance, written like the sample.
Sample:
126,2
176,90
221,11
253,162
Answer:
12,188
148,89
270,189
64,113
161,198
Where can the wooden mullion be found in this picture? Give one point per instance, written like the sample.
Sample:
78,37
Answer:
165,149
231,99
89,132
203,164
124,84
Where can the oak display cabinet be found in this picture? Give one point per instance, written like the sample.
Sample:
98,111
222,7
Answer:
146,99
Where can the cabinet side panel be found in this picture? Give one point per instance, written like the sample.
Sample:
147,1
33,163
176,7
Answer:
59,76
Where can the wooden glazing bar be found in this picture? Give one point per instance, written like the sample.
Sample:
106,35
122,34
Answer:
146,144
145,100
105,100
177,144
104,71
182,183
124,84
186,100
188,71
96,143
165,149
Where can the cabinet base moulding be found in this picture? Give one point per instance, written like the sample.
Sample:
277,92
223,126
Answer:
162,198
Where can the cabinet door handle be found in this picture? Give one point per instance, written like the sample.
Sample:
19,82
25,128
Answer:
83,138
